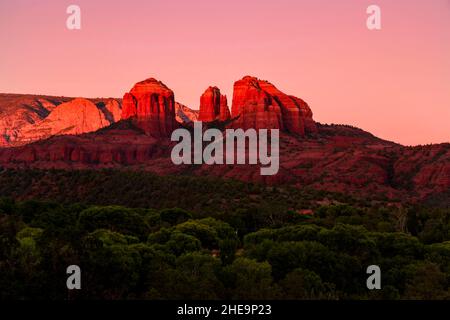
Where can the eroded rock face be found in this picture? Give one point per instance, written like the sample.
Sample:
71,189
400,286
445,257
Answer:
27,118
151,104
213,106
74,117
113,110
18,111
184,114
259,104
121,144
338,158
224,111
209,105
307,115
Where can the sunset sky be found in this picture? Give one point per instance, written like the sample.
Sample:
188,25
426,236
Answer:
394,82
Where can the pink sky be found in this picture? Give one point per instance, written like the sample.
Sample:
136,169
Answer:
394,83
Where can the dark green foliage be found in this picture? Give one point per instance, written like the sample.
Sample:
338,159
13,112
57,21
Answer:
115,218
138,236
303,284
174,216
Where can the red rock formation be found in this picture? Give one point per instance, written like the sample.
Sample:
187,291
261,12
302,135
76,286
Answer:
74,117
27,118
259,104
185,114
224,112
339,158
209,104
18,111
114,110
254,107
129,104
307,115
151,104
213,106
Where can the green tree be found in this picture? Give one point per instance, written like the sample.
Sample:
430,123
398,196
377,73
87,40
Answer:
425,281
114,218
175,216
302,284
252,280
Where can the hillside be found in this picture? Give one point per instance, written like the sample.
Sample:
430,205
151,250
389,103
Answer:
336,158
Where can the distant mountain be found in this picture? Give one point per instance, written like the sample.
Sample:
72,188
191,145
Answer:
185,114
28,118
17,111
325,157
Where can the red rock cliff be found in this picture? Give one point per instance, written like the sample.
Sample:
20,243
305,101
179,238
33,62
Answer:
224,112
213,106
152,105
73,117
259,104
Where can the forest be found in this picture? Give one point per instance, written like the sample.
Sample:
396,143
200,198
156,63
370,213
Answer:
282,244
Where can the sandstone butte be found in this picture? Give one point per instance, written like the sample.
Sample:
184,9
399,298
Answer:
213,106
150,104
256,104
334,158
259,104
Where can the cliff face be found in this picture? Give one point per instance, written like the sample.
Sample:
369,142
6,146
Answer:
184,114
213,106
28,118
224,111
73,117
151,105
259,104
337,159
333,158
